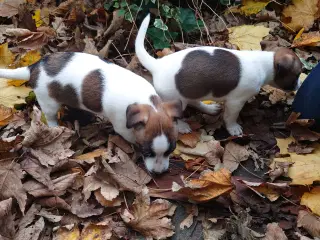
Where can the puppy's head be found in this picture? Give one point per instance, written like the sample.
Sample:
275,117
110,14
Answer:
154,127
287,68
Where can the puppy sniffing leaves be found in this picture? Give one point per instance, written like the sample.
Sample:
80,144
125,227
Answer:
211,73
127,100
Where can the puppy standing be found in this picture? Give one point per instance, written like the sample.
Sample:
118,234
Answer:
211,73
130,102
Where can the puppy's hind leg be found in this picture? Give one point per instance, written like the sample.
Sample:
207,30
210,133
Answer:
211,109
49,107
230,116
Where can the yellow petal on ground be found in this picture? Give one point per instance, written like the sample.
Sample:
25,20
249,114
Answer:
306,167
10,95
37,18
6,56
247,37
208,102
252,7
311,200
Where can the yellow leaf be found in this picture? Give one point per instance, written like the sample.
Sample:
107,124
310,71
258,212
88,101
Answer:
26,59
91,155
210,185
6,115
37,17
298,34
247,37
96,232
252,7
10,95
311,200
65,234
305,168
6,56
300,15
307,39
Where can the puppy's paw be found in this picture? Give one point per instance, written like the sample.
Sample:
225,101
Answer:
234,129
212,109
183,127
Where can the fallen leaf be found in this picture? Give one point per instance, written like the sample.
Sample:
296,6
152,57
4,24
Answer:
307,39
31,232
164,52
298,148
7,229
209,185
6,56
9,8
213,230
6,115
106,203
10,95
82,209
211,151
67,234
190,139
90,47
309,222
49,216
60,184
192,211
197,164
233,155
37,17
250,7
54,202
48,145
150,218
279,169
92,183
311,200
274,232
97,231
90,157
3,29
247,37
300,15
10,182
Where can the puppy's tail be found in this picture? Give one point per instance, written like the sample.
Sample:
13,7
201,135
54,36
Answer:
144,57
22,73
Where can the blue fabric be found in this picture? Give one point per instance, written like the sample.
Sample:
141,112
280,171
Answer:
307,100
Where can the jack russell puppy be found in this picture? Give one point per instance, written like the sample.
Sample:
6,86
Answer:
212,73
129,101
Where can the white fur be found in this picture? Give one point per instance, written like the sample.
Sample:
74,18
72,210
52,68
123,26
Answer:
121,88
252,79
159,163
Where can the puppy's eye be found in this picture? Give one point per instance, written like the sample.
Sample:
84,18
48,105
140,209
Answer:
170,149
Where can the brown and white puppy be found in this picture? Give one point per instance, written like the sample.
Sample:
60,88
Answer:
129,102
211,73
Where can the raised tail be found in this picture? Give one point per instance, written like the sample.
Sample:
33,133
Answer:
22,73
144,57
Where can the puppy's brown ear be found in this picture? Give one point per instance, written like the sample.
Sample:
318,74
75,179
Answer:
173,108
137,115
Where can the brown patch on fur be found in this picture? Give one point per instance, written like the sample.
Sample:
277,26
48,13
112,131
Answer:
55,63
287,67
64,95
34,75
92,89
202,73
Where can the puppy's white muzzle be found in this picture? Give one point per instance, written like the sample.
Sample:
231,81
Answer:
157,164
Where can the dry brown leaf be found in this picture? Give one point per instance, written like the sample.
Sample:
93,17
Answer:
309,222
300,15
192,211
10,182
209,185
164,52
90,47
307,39
48,145
211,150
92,183
49,216
274,232
311,200
198,164
9,8
82,209
37,171
190,139
37,189
7,229
31,232
6,115
150,218
299,148
213,230
100,198
121,143
279,169
233,155
96,231
54,202
32,40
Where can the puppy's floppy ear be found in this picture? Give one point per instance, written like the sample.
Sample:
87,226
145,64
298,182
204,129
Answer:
136,115
173,108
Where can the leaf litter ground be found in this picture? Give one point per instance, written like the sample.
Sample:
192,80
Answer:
82,181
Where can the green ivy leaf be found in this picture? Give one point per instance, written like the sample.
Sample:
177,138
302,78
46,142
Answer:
187,20
161,39
121,12
116,5
158,23
135,8
128,16
123,3
153,1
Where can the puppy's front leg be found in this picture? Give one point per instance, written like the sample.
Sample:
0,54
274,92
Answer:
183,127
211,109
230,116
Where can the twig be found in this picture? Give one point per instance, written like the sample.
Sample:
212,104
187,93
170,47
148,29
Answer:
249,171
120,54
